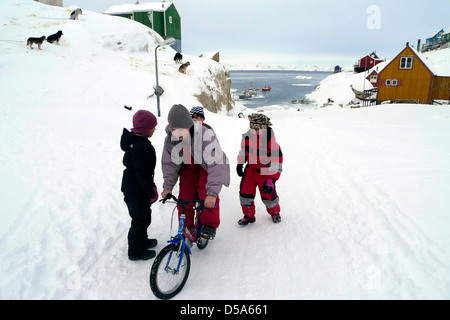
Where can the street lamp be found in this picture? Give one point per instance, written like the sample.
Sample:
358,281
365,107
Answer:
166,42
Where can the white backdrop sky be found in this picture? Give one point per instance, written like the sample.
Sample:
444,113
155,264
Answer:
293,32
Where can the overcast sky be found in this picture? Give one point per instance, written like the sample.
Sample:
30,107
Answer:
298,32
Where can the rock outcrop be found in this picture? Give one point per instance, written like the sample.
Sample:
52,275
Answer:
216,89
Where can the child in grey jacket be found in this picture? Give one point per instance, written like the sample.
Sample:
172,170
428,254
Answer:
193,154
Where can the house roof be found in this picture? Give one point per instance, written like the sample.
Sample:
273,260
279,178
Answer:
128,8
437,61
379,66
435,34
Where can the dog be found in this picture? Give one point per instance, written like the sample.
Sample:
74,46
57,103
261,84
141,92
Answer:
178,57
37,41
75,14
55,37
183,67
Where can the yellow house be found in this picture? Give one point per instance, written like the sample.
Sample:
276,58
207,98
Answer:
408,78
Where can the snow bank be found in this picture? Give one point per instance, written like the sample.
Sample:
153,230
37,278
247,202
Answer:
335,87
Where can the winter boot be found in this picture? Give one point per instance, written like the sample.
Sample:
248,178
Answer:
208,232
246,220
143,256
276,218
151,243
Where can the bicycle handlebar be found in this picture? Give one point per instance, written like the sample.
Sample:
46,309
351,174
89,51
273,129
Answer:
183,203
169,196
179,201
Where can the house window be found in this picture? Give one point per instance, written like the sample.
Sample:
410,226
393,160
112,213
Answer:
392,82
170,19
406,62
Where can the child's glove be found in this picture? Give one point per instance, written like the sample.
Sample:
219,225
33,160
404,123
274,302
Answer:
239,170
156,195
268,186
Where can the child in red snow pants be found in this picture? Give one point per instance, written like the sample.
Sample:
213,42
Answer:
252,179
193,180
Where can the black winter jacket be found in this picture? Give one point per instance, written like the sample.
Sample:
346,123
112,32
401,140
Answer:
140,162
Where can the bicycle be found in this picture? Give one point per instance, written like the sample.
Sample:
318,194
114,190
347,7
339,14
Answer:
171,267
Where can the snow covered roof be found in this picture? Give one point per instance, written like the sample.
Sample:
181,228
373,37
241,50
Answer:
436,61
380,66
128,8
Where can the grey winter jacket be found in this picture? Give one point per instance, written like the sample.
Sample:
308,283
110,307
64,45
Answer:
206,151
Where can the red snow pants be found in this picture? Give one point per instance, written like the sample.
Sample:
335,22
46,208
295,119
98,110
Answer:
193,180
253,178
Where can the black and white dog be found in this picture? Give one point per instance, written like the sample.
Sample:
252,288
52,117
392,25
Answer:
75,14
178,57
55,37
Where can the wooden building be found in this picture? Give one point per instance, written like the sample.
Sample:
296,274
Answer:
432,42
367,62
444,41
162,17
409,78
57,3
372,77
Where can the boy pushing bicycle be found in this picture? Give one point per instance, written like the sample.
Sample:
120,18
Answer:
193,154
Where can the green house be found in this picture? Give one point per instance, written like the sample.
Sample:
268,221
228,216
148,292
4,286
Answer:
445,37
162,17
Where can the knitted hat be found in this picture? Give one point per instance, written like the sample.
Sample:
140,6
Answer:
197,112
179,117
143,121
259,121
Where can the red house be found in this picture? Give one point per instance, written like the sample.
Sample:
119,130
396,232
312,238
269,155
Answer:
373,78
366,63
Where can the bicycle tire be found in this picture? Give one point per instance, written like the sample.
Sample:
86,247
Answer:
164,283
202,243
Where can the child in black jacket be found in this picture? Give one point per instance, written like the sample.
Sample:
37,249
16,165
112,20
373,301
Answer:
138,186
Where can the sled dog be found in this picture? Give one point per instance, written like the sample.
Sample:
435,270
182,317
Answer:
37,41
55,37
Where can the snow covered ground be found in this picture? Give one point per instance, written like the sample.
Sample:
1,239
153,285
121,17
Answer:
364,192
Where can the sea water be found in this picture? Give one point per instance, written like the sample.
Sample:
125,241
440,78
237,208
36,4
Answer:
285,86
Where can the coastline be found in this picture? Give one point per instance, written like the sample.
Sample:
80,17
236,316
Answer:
265,67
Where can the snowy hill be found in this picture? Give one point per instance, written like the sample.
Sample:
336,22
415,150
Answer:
364,192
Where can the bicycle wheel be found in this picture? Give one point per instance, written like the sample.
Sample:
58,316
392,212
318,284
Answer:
165,282
202,243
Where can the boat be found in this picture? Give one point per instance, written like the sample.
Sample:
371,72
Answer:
245,95
366,94
297,101
251,91
266,88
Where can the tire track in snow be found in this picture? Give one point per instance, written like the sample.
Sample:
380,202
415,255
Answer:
385,248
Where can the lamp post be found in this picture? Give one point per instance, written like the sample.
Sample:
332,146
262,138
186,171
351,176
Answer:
166,42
